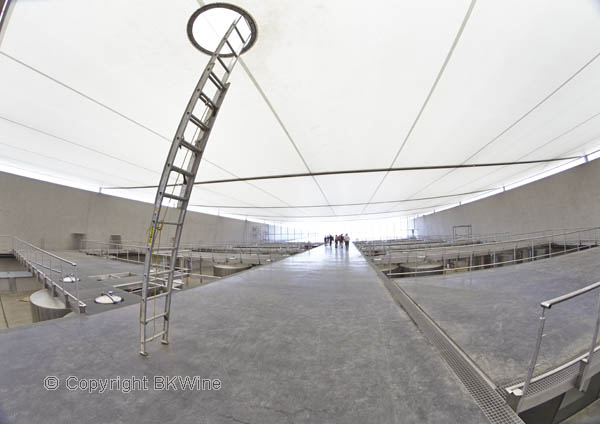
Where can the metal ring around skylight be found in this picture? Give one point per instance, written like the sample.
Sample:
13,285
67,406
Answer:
245,15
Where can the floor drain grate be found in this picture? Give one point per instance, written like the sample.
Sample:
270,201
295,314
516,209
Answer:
483,391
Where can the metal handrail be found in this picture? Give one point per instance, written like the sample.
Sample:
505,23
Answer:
52,276
228,245
401,251
555,301
583,380
46,252
556,231
448,239
474,267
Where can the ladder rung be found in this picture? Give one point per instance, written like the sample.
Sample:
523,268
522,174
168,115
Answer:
170,223
216,81
223,64
190,146
208,102
161,249
166,271
231,47
239,33
198,122
157,316
156,296
175,197
178,270
157,335
166,279
182,171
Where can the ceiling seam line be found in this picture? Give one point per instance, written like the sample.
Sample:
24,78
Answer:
201,3
351,204
280,122
75,144
58,160
91,99
230,197
62,84
269,105
530,111
561,135
47,175
516,182
250,184
102,172
541,102
518,120
544,145
430,94
360,214
42,173
114,111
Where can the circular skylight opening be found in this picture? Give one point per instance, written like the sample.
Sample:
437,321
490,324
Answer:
208,25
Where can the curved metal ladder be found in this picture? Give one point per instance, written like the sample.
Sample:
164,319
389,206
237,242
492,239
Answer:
182,163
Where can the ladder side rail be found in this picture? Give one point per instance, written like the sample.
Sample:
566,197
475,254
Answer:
187,194
176,144
160,197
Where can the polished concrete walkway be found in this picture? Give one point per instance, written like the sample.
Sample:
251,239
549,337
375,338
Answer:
315,338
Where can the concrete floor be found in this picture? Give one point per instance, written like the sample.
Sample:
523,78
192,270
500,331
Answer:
15,310
90,266
315,338
589,415
14,306
493,315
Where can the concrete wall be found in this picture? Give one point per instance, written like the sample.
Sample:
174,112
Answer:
570,199
47,214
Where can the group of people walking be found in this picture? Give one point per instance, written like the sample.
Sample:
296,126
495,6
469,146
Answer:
341,239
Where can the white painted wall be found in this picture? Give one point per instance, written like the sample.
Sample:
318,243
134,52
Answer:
570,199
47,214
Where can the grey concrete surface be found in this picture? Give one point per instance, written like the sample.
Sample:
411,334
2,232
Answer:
493,315
46,215
89,267
589,415
570,199
315,338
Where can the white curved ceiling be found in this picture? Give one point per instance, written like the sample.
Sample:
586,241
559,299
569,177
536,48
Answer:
92,92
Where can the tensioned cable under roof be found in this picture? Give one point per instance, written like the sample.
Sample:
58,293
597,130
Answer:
354,171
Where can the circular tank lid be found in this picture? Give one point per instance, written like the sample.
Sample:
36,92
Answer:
43,299
232,266
109,298
70,279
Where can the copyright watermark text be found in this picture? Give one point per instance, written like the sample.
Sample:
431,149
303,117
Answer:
132,384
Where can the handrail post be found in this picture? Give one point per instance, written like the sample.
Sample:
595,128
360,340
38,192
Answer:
583,380
471,262
536,352
75,275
